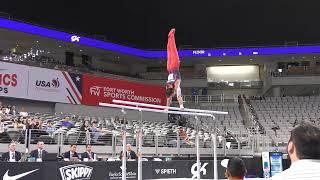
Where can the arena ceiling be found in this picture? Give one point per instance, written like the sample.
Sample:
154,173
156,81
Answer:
25,41
200,24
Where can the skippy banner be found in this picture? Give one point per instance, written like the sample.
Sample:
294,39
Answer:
20,81
101,89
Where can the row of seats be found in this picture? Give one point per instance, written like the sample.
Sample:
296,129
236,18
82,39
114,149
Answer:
279,115
292,99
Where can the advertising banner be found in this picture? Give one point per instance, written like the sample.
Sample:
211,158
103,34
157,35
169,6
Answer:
54,86
103,170
13,80
181,169
275,163
102,89
27,171
21,81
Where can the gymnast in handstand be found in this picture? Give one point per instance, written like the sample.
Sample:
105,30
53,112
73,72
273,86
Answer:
173,66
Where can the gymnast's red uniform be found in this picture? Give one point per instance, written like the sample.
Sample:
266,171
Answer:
173,61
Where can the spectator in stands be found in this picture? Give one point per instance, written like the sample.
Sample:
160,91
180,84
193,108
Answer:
171,137
18,124
23,112
123,120
116,120
88,154
13,111
236,169
275,128
184,138
66,123
85,126
110,124
4,111
31,124
50,129
38,124
12,155
94,131
72,153
131,155
304,151
39,152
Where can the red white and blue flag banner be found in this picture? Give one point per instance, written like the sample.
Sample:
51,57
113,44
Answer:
54,86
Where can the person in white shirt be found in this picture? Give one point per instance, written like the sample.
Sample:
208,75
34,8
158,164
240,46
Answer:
304,152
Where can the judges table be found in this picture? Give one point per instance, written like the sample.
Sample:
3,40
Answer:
105,170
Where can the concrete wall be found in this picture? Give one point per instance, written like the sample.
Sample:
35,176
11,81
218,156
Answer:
29,105
249,92
107,65
185,82
295,80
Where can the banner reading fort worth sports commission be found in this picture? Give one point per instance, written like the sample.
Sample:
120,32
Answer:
102,89
13,80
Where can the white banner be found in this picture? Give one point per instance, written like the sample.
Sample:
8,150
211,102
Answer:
21,81
53,85
13,80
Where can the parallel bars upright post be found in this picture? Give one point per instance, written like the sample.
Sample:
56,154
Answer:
194,112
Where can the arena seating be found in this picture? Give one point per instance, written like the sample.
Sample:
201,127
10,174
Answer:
279,115
161,134
232,122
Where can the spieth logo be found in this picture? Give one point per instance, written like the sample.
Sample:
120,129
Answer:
166,171
54,83
76,172
202,169
75,39
95,90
